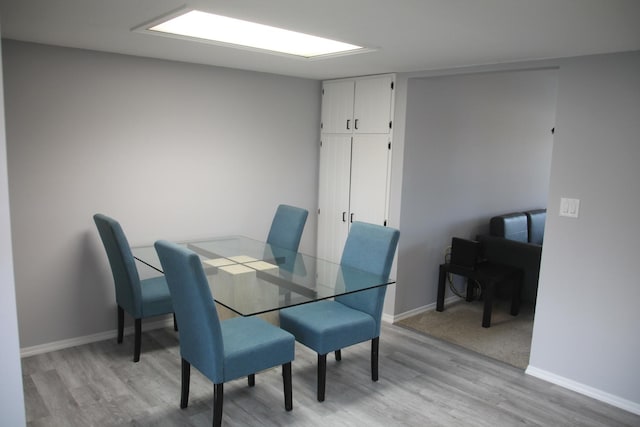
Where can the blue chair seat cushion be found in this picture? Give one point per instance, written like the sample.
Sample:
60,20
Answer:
252,345
327,326
156,299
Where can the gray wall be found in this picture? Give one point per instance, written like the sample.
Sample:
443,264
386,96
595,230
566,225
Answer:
172,150
91,132
585,332
11,395
476,145
586,326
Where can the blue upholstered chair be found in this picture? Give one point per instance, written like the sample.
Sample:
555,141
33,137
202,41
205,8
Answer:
222,351
139,298
287,226
327,326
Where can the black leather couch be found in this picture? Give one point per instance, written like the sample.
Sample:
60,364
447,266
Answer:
515,239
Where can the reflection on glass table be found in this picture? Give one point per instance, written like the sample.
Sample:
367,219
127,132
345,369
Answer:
252,277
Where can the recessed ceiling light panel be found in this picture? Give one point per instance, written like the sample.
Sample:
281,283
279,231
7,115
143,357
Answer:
217,29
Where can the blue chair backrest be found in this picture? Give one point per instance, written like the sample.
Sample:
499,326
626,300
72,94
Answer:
123,267
200,332
370,248
287,226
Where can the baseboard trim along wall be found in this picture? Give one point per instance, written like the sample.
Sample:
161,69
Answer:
611,399
73,342
148,326
429,307
414,312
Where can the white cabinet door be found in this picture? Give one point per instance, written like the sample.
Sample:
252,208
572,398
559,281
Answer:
337,107
354,158
333,196
369,166
372,105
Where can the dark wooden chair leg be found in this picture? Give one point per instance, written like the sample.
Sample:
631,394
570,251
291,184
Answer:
286,383
137,340
375,344
120,324
251,380
186,379
175,323
218,390
338,355
322,376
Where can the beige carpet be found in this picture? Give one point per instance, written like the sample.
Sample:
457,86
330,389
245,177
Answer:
508,339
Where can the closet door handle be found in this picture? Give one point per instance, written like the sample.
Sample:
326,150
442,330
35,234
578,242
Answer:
356,124
351,218
343,217
348,123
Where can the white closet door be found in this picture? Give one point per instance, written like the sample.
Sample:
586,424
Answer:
369,163
373,105
337,107
333,196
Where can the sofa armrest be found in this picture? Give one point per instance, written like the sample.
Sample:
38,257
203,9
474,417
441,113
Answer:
535,225
525,256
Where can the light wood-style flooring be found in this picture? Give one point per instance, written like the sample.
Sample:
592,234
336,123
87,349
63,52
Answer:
423,382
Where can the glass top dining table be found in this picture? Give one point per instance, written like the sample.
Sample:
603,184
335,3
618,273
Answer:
252,277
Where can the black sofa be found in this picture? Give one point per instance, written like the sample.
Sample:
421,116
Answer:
515,239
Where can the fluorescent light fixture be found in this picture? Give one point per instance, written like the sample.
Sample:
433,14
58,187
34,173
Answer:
221,29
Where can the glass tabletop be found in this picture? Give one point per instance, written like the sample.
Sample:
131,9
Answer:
251,277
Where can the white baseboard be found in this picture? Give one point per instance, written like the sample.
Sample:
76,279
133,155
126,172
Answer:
390,318
73,342
387,318
611,399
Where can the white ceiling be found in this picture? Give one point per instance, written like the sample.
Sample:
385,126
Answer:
409,35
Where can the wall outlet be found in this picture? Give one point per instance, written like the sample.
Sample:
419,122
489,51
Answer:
569,207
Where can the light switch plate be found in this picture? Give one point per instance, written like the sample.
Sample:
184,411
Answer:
569,207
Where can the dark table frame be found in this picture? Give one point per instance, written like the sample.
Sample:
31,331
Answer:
488,275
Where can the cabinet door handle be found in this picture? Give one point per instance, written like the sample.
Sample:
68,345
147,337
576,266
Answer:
343,217
351,217
348,122
356,124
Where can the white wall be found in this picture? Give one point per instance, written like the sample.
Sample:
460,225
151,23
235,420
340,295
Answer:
476,145
586,328
172,150
11,395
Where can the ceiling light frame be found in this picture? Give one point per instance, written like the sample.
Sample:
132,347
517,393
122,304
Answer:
147,28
